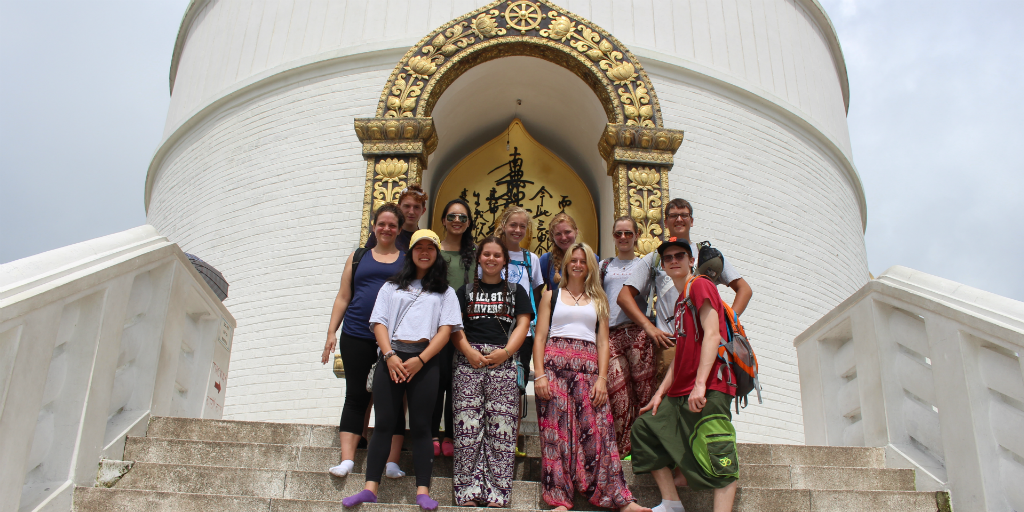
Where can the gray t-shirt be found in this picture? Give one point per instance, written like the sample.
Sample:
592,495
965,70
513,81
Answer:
618,272
413,314
665,289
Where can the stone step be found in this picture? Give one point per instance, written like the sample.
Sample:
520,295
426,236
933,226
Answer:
315,458
327,436
91,499
320,486
279,457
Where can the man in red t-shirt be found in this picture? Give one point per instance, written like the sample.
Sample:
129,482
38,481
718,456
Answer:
687,424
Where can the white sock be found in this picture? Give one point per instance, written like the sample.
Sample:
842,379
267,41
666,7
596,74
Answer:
342,469
393,471
669,506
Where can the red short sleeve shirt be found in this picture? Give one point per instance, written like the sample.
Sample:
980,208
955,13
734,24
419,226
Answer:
688,347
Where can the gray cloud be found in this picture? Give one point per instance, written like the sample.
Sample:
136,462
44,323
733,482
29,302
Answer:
83,96
935,121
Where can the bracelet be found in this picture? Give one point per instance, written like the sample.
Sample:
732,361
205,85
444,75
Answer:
603,377
424,363
507,354
541,376
389,354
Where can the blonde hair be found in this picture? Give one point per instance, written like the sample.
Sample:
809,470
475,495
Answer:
557,254
499,230
592,284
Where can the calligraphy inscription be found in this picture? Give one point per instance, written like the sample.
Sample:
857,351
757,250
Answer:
511,188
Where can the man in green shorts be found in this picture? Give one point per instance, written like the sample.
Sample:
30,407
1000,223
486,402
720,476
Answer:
687,425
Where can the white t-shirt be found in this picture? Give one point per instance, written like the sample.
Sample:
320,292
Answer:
413,314
618,272
665,288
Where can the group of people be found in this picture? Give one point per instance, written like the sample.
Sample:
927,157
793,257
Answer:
446,329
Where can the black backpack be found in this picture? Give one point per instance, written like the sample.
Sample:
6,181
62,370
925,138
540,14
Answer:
357,256
710,261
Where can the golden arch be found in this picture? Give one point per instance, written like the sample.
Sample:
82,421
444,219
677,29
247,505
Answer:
551,33
635,144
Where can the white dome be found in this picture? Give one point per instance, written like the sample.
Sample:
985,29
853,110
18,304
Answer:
261,174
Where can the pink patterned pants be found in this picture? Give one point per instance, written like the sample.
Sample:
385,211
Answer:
578,446
630,378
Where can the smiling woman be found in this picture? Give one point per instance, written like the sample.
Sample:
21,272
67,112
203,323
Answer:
408,350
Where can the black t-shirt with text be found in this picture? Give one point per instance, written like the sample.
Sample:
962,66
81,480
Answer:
487,322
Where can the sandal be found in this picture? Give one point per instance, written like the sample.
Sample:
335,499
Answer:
447,448
437,448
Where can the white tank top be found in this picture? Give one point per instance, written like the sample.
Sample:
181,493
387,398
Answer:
579,322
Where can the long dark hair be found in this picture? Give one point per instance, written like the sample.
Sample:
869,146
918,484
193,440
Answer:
466,247
435,280
506,295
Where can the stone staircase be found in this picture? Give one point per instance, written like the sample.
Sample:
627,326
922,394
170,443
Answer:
197,465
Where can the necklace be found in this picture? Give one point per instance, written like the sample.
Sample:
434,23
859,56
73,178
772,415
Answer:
575,298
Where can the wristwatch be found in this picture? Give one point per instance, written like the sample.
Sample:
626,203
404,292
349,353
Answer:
389,354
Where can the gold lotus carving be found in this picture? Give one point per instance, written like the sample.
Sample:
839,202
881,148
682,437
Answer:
645,201
388,181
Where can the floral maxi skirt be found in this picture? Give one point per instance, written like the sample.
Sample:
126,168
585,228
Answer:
578,447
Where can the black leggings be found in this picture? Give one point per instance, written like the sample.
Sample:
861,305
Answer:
443,404
422,393
357,354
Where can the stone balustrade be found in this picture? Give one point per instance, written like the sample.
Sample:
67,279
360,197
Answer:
94,339
931,370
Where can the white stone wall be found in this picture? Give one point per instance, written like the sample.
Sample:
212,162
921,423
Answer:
786,218
775,46
266,184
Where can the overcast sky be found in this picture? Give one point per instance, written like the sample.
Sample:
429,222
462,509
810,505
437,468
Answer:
936,111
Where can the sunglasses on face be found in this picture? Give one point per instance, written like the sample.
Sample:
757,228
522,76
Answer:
676,256
623,234
456,217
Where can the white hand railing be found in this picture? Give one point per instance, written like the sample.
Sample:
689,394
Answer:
931,370
94,339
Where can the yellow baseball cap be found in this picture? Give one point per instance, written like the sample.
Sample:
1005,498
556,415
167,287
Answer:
421,234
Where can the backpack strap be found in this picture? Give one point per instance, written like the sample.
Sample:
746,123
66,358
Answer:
604,269
652,294
357,256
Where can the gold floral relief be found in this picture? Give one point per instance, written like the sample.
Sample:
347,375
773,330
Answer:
645,202
389,180
513,21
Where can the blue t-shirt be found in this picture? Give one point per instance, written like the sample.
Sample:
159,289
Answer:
369,277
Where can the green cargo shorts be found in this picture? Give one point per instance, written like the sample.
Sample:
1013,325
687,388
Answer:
702,445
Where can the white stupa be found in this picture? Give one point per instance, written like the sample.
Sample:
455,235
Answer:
261,173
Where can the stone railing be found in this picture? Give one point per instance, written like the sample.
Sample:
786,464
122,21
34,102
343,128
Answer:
931,370
94,338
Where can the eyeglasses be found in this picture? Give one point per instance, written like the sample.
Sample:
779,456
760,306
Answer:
623,234
456,217
674,216
676,256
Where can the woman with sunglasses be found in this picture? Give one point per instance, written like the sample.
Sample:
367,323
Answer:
458,250
631,367
577,434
